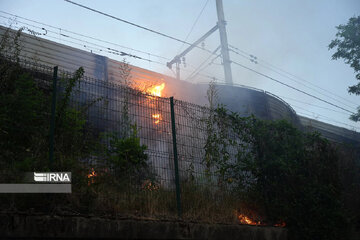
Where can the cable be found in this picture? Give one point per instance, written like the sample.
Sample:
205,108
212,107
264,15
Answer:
272,67
106,49
252,59
211,77
203,75
192,27
68,36
135,25
197,69
82,35
202,69
304,109
353,128
92,48
294,88
184,42
89,37
310,104
116,52
242,55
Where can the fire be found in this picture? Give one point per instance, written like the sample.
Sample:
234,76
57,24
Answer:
282,224
156,90
157,118
153,90
246,220
150,186
91,176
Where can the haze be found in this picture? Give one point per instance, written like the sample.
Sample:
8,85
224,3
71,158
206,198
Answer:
291,35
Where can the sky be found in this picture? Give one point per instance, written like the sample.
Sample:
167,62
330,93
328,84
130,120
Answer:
286,36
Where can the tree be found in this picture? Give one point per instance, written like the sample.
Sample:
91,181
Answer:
347,44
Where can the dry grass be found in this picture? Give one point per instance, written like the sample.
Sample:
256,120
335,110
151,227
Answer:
199,204
108,198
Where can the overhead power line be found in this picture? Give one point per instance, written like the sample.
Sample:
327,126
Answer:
116,52
102,41
192,27
101,49
135,25
198,69
315,115
287,74
82,35
61,30
98,48
254,59
314,105
294,88
197,72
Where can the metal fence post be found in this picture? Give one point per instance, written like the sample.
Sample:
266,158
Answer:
177,180
52,119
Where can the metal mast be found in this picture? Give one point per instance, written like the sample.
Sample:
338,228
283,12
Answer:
224,42
224,46
177,59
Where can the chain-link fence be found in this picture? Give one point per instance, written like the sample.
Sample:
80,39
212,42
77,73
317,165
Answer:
150,182
138,154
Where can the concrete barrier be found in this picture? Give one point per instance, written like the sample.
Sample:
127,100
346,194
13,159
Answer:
45,226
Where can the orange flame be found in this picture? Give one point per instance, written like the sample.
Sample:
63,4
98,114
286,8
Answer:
150,186
157,118
91,176
282,224
246,220
156,90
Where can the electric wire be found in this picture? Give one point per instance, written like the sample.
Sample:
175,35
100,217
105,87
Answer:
315,115
82,35
324,117
136,25
293,77
289,86
203,68
313,105
192,27
193,74
204,75
89,37
99,48
96,39
100,51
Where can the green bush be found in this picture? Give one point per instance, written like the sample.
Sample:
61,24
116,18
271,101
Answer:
284,174
23,118
126,156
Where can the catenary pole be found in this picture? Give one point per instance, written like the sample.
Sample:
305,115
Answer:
224,42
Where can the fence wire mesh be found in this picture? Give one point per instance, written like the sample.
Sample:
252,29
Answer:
114,113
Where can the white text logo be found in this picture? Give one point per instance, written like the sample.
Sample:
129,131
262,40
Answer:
52,177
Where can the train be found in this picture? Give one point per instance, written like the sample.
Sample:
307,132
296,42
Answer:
244,100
